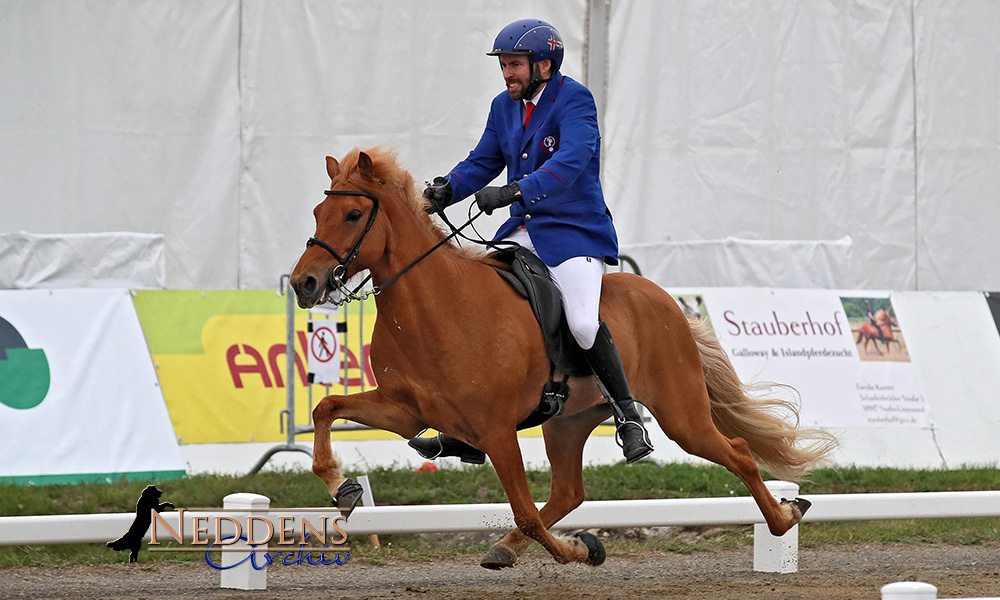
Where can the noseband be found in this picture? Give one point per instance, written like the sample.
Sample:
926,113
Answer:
339,276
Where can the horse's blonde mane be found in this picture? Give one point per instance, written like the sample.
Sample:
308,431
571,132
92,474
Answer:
400,181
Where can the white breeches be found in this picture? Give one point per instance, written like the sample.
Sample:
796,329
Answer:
579,281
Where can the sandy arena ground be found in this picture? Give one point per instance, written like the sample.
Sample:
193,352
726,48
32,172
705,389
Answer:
842,572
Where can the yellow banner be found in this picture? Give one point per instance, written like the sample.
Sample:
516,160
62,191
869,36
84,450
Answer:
221,361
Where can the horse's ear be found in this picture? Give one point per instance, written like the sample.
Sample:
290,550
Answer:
332,167
365,166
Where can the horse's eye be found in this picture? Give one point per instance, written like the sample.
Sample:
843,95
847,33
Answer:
353,216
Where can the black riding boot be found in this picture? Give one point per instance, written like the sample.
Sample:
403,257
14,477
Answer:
607,365
445,445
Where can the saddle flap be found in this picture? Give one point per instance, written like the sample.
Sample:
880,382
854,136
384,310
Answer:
546,304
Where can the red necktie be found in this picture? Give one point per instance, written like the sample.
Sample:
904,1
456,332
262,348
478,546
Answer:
528,107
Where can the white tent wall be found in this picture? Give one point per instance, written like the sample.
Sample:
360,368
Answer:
746,263
82,260
124,116
772,120
958,144
320,77
768,120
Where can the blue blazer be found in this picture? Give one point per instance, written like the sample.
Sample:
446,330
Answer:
556,162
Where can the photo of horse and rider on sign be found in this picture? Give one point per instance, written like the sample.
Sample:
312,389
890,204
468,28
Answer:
875,330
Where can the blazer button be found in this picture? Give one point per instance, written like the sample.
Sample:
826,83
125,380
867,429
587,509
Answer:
525,155
527,217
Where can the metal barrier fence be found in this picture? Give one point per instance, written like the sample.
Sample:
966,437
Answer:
289,425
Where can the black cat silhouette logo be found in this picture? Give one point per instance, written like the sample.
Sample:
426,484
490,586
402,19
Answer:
132,540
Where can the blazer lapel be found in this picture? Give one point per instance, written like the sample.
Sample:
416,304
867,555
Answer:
541,109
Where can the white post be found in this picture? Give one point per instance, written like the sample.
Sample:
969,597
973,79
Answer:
366,491
777,554
244,576
369,500
909,590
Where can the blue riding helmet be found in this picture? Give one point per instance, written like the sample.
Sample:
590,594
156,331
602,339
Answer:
532,37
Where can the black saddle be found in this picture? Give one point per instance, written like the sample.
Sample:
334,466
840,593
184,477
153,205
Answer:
530,277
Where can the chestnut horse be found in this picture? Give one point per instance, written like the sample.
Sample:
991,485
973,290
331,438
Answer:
456,349
869,333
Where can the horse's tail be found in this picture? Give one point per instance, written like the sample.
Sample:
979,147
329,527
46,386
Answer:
861,334
769,425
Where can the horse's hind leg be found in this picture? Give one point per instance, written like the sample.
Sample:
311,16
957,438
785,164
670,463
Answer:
734,454
683,412
368,408
564,441
506,457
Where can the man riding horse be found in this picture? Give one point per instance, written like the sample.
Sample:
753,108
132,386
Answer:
544,131
878,326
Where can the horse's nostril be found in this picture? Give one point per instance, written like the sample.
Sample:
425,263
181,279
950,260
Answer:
309,286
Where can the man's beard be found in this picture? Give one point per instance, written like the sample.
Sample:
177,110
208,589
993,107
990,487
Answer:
530,87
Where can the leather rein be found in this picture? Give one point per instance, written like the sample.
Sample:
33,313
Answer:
338,278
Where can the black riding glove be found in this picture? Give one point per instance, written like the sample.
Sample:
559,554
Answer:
439,193
492,198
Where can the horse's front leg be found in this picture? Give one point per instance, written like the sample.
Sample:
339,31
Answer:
565,438
505,454
369,408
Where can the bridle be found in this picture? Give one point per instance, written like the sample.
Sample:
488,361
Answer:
345,261
338,278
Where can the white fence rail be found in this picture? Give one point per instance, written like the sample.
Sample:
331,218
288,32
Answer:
771,554
442,518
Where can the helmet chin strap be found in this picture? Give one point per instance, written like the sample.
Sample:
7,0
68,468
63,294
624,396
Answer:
534,82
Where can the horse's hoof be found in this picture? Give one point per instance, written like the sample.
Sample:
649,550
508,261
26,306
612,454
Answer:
595,554
799,506
348,496
499,557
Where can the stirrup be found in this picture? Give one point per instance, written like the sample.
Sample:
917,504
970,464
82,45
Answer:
640,450
463,451
413,443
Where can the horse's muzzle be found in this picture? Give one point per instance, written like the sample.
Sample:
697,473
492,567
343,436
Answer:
307,292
